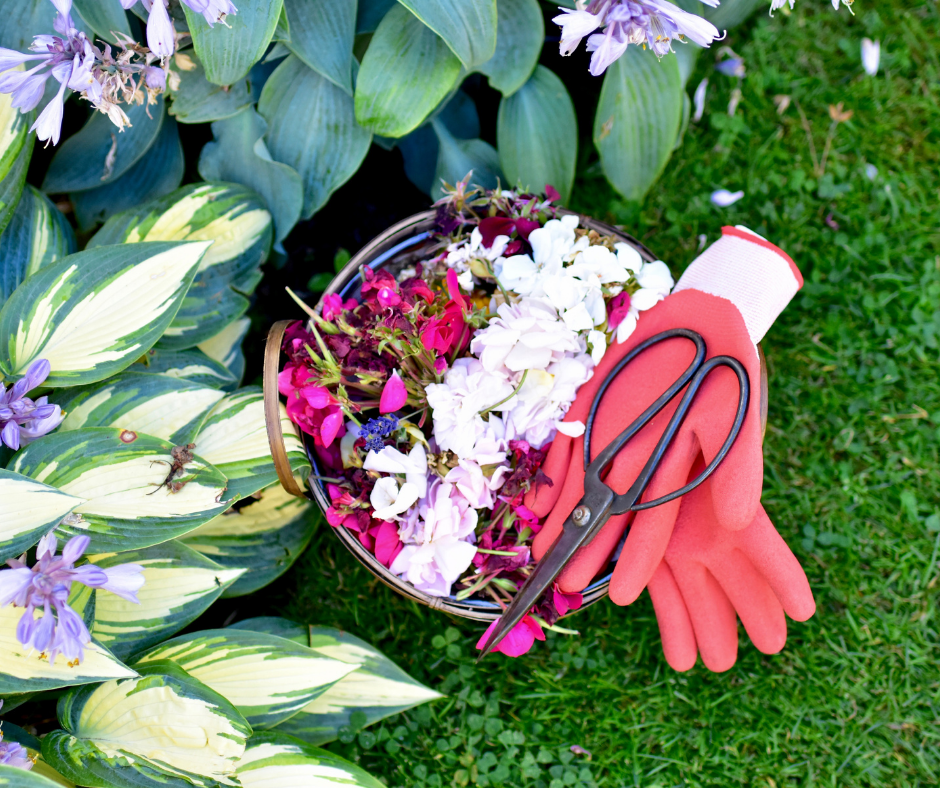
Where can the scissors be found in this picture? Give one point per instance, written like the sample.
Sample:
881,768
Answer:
599,502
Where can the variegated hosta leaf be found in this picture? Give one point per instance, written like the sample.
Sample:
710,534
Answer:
161,728
179,585
273,760
267,678
157,405
33,747
192,365
11,777
28,509
265,536
240,227
234,439
121,475
24,670
14,156
226,347
378,689
93,313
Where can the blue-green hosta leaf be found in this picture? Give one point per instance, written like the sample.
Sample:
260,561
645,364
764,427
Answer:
267,678
282,31
192,365
121,476
156,174
377,689
197,100
537,134
520,32
11,777
637,120
23,671
163,728
14,157
93,313
264,536
28,510
406,72
321,34
38,234
179,585
104,17
467,26
240,155
235,440
272,760
456,158
157,405
312,128
226,346
211,304
99,153
23,19
229,51
370,12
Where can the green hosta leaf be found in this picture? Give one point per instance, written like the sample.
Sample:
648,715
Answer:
229,51
282,31
274,759
467,26
121,475
192,365
370,12
239,154
378,689
312,128
179,585
99,153
22,670
156,174
156,405
28,510
38,234
93,313
456,158
637,120
686,56
104,17
321,34
267,678
226,347
197,100
211,304
23,19
537,132
163,728
519,35
234,439
406,72
265,536
14,157
11,777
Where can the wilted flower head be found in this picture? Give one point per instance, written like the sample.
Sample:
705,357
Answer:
21,419
46,585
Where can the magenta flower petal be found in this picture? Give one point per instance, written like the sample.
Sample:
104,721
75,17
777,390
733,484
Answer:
394,395
519,639
330,427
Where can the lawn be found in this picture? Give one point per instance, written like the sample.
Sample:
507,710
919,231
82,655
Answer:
851,461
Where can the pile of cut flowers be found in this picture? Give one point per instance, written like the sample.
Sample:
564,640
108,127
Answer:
431,401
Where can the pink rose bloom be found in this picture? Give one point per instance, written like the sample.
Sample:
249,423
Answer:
518,640
311,407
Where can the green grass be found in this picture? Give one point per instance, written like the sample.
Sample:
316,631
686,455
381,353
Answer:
851,468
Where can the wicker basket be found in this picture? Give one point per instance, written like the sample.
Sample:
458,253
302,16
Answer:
398,247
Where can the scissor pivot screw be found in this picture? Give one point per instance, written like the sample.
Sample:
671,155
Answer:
581,515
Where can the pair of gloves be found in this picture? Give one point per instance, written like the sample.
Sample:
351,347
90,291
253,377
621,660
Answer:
712,555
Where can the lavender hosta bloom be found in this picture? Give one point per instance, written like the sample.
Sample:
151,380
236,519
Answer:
13,753
652,23
22,419
212,10
732,67
46,585
161,35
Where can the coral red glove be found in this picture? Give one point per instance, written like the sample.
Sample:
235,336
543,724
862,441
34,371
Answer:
730,294
709,573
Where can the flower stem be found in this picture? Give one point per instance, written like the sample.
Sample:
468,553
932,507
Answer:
506,399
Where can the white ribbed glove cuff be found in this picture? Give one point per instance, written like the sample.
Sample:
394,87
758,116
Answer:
757,277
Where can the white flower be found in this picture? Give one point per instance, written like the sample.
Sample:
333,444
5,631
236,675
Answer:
468,389
575,25
550,244
723,198
414,465
524,335
437,536
655,283
477,485
389,501
461,253
871,56
698,100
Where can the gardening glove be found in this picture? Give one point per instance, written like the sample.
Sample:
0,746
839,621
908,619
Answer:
711,575
731,294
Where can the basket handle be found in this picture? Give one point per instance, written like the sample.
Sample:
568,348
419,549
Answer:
272,411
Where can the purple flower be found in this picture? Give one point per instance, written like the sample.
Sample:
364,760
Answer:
21,419
731,67
212,10
46,586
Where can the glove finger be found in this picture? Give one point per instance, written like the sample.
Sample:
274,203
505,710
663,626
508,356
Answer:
712,615
571,490
755,602
541,499
675,626
772,558
593,557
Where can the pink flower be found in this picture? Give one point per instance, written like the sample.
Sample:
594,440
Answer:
310,407
333,306
388,297
494,226
387,542
394,394
617,310
527,516
518,640
440,365
552,193
564,603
